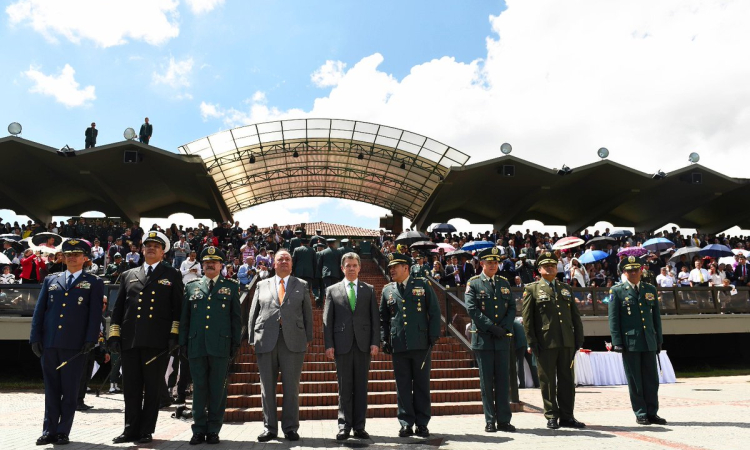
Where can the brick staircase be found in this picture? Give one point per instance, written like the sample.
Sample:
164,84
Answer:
454,382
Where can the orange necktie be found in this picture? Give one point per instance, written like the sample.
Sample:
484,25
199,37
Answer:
282,291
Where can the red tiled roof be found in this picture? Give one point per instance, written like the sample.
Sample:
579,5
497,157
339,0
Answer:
333,229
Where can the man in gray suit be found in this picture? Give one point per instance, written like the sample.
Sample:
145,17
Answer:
351,327
280,327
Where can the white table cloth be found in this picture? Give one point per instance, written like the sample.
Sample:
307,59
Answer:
606,369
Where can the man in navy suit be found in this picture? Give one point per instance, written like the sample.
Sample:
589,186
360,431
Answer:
65,325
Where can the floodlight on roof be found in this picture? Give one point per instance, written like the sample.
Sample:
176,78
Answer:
66,151
694,158
565,170
360,156
505,149
295,154
252,159
402,166
659,175
129,133
14,128
603,152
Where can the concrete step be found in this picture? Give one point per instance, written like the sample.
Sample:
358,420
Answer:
253,377
315,387
373,398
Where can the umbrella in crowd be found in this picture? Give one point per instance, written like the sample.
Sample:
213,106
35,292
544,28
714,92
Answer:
410,237
444,228
590,256
658,244
10,237
477,245
42,238
620,233
736,251
4,259
689,252
727,260
567,242
600,240
446,247
423,245
459,253
14,240
632,251
716,251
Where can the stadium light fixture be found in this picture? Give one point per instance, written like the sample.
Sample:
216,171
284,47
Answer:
402,166
565,170
252,159
659,175
129,134
360,156
603,153
15,128
506,148
694,158
295,154
66,152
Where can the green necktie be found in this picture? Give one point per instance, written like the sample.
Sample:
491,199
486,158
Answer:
352,296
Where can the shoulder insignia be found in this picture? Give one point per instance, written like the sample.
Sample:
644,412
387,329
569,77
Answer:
502,277
193,280
474,277
233,280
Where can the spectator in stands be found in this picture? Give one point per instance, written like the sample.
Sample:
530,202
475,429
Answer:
181,250
144,135
517,282
578,273
437,272
7,277
452,276
97,253
133,258
31,264
665,279
229,272
714,277
699,275
742,272
56,263
262,270
210,239
190,268
91,133
246,272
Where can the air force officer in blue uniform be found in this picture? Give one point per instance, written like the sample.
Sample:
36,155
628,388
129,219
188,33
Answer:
65,325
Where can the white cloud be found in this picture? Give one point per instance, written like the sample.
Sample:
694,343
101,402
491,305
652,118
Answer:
105,22
203,6
259,97
361,209
651,81
209,110
176,74
63,87
329,74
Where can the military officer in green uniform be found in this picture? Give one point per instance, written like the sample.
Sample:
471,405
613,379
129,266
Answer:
296,241
635,326
409,327
330,259
115,269
648,276
492,310
554,332
304,262
210,332
317,237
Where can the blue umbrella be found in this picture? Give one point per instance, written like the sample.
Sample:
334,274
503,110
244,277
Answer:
620,233
658,244
477,245
716,251
590,256
444,228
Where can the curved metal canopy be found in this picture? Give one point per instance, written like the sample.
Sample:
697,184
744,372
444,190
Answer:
385,166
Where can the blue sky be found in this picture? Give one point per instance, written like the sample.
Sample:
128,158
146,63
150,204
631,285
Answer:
651,81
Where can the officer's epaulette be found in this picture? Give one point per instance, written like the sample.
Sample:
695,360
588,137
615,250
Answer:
648,284
193,281
233,280
474,277
501,277
96,277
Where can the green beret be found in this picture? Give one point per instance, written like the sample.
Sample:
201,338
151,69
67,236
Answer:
398,258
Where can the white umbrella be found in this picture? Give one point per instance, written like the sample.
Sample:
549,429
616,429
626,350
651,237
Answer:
4,259
738,251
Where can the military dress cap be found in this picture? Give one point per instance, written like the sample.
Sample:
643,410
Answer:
320,244
318,231
345,241
546,258
297,231
212,253
491,254
398,258
304,240
158,236
76,246
330,240
631,263
118,255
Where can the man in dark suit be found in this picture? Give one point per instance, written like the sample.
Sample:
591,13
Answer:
351,330
91,133
279,329
146,130
450,273
65,325
466,269
742,272
304,263
144,328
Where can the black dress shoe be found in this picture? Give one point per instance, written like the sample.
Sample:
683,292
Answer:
62,439
125,438
266,436
361,434
572,423
405,431
292,436
506,426
198,438
642,421
490,427
422,431
46,439
179,400
342,435
552,424
212,438
83,407
657,420
145,438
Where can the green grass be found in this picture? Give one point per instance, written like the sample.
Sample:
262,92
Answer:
707,370
20,384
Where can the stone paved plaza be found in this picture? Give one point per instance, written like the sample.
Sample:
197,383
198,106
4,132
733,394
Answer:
705,413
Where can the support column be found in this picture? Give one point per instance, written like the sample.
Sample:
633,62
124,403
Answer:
398,223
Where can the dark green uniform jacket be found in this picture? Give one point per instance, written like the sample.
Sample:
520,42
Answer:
548,315
211,322
488,306
407,321
635,320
